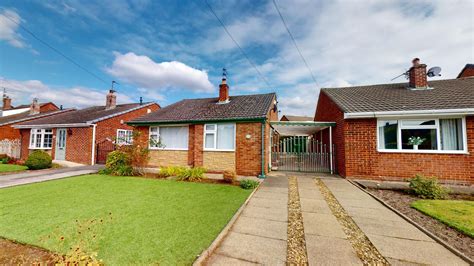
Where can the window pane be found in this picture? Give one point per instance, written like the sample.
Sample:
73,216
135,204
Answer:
388,134
38,140
210,127
174,137
154,141
425,138
418,123
451,134
32,139
153,129
48,140
209,141
225,137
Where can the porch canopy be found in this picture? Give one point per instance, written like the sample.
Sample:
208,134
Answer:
298,128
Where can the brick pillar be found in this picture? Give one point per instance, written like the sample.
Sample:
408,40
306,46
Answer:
191,145
198,141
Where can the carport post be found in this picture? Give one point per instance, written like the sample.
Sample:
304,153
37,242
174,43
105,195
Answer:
330,148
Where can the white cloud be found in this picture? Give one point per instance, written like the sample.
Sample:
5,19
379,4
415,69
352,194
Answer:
9,23
142,71
22,92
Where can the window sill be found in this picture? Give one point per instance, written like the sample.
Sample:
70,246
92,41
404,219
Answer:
424,152
31,148
218,150
167,149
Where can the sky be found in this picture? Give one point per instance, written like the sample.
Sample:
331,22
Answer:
169,50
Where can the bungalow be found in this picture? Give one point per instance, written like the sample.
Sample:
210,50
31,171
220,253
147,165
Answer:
83,136
23,113
395,131
224,133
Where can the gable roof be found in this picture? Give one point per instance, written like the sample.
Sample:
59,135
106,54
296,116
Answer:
243,107
467,71
25,116
83,117
28,106
297,118
450,94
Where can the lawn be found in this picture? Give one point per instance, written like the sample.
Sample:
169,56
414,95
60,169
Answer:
126,220
11,168
458,214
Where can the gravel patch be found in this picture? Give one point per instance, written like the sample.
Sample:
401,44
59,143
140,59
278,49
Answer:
296,245
402,201
365,250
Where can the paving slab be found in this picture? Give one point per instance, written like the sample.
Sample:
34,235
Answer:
268,203
324,250
251,248
270,195
271,214
306,193
218,260
322,224
261,227
314,205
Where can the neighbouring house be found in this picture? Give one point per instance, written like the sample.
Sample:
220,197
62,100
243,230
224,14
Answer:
83,136
222,133
296,118
395,131
8,109
34,111
467,71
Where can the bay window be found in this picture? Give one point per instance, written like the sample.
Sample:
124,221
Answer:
423,135
219,137
41,138
124,137
169,137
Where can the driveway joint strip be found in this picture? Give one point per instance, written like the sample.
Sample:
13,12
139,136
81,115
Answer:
296,245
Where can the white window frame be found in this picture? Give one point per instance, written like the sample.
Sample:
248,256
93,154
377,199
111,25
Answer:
42,132
380,121
215,137
120,141
158,137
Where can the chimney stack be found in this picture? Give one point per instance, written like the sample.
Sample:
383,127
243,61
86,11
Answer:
111,100
7,103
34,107
417,75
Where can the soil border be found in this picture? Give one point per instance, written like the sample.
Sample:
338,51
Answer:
424,230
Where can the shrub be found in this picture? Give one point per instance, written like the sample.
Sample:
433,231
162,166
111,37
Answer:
5,160
38,160
427,187
118,163
191,174
229,176
171,171
248,184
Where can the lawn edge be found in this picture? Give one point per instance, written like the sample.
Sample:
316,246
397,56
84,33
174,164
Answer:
424,230
220,237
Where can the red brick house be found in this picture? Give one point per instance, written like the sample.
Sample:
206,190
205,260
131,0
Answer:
83,136
22,114
394,131
224,133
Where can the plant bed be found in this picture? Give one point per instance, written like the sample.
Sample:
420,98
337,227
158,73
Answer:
402,201
20,254
154,221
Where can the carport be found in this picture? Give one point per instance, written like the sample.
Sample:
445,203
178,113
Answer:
302,147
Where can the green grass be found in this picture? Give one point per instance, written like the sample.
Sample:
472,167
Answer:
152,221
11,168
458,214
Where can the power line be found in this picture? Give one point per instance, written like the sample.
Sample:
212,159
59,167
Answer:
294,42
54,49
237,44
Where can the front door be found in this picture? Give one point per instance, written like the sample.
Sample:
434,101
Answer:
60,144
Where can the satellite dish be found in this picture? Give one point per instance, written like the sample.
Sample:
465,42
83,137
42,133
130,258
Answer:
434,71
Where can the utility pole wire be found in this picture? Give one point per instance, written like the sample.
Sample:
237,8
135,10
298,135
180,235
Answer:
237,44
294,42
54,49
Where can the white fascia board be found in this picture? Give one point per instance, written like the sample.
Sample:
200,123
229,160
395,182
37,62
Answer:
414,113
53,125
120,113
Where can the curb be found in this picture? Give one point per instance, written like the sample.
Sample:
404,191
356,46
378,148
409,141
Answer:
208,252
434,237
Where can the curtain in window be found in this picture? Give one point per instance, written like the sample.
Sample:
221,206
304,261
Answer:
174,137
225,136
451,134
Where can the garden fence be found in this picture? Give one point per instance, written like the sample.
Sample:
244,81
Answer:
11,148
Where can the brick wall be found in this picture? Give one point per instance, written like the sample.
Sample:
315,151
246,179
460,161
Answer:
8,132
328,111
160,158
248,151
48,107
364,161
78,145
218,161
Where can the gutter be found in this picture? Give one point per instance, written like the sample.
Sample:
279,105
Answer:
262,175
414,113
36,117
53,125
168,122
93,144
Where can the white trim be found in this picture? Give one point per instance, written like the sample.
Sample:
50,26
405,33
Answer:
215,137
419,113
93,144
42,134
117,138
438,136
53,125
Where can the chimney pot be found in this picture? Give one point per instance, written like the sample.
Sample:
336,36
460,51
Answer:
7,103
111,100
417,75
34,107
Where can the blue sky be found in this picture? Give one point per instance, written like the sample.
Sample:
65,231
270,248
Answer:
169,50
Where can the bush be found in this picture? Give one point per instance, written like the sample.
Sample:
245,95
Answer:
38,160
229,176
191,174
427,187
248,184
118,163
172,171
